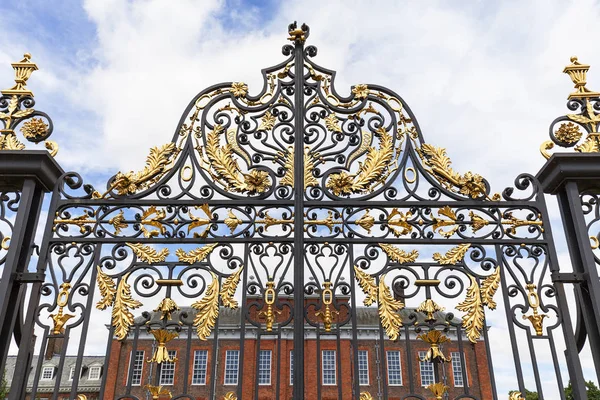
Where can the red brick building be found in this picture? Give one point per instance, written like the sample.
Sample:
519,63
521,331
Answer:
263,365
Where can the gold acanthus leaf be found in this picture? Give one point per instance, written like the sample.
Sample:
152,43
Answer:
309,166
156,166
221,165
267,122
153,217
489,286
107,288
122,318
439,165
228,289
367,284
332,123
288,165
9,141
397,255
147,253
378,164
197,255
208,309
232,221
448,212
388,308
473,307
452,256
118,222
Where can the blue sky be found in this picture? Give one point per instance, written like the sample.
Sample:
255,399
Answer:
484,79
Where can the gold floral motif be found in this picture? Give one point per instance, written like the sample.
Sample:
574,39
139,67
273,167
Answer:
568,133
199,221
366,221
536,319
397,255
152,217
489,286
438,389
81,221
208,309
34,129
329,222
239,89
438,224
388,308
378,165
232,221
365,144
332,123
434,338
267,122
118,222
60,318
438,163
107,288
477,222
166,307
228,289
367,284
429,307
157,164
398,222
270,221
218,161
197,255
360,91
327,314
157,391
161,354
147,253
309,165
590,120
452,256
515,223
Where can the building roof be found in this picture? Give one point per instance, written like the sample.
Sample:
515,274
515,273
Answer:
85,384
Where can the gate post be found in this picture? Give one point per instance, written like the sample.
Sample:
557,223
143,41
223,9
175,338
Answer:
30,174
568,176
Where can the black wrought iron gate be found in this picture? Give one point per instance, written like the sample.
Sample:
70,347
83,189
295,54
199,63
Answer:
296,244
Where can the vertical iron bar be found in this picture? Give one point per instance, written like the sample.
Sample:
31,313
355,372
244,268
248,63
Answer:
536,371
299,221
17,258
354,345
243,310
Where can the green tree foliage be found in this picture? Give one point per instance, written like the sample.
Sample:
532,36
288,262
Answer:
593,393
3,388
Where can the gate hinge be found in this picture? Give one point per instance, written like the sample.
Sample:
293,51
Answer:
29,277
569,277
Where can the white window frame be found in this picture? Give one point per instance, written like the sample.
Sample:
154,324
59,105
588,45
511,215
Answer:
95,368
171,369
134,355
71,373
291,367
366,359
229,354
425,366
457,356
262,353
387,356
51,369
198,367
329,352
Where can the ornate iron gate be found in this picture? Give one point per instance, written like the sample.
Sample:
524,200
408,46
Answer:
291,244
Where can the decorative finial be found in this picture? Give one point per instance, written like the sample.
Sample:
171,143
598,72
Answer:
298,35
23,70
577,72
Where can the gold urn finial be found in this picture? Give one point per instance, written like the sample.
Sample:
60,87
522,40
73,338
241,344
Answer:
577,72
23,70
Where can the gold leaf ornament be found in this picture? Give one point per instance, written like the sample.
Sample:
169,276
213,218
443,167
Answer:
122,318
161,354
148,254
367,284
267,122
228,289
398,255
489,286
208,309
452,256
197,255
107,288
388,308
